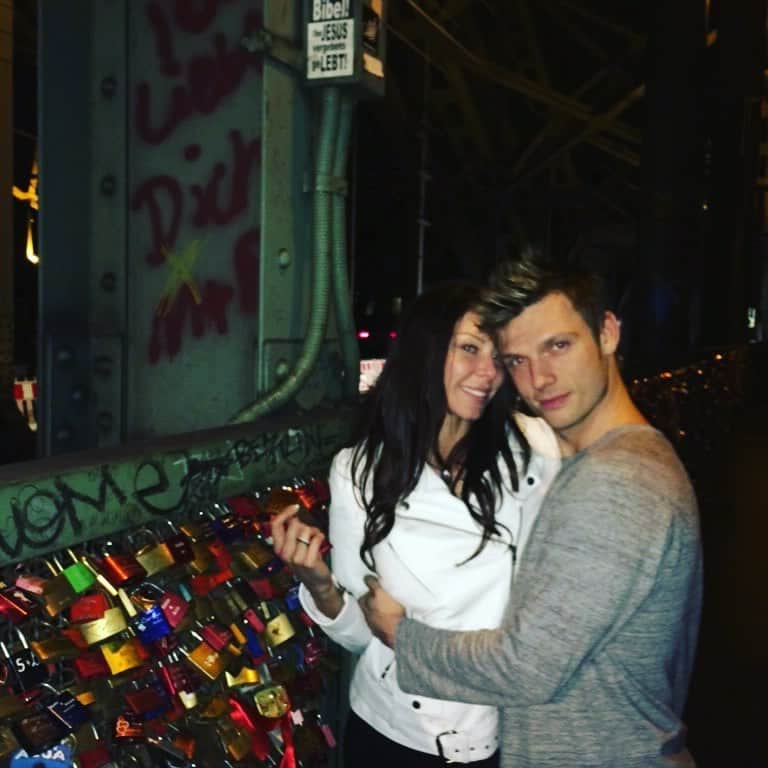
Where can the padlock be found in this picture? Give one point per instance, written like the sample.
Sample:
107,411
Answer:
252,618
8,743
216,635
285,662
235,741
214,709
91,665
226,524
313,652
247,507
254,646
150,625
163,751
57,592
92,750
272,701
102,580
153,554
76,573
202,560
67,710
112,623
32,583
279,630
245,676
292,602
25,670
203,657
250,556
55,645
121,568
278,498
88,607
147,698
37,731
123,655
179,680
10,704
174,607
16,605
178,544
128,727
262,587
204,583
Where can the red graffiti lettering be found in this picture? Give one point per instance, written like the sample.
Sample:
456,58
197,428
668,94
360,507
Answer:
167,329
148,194
198,85
210,79
163,40
246,260
208,210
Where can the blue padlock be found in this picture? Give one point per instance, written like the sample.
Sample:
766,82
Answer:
254,645
58,756
291,598
151,625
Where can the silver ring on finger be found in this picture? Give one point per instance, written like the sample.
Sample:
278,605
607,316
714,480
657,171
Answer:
305,542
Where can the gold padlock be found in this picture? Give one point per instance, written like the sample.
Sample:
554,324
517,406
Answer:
55,647
279,629
206,658
110,624
57,591
10,704
121,655
236,741
246,676
154,555
8,743
272,701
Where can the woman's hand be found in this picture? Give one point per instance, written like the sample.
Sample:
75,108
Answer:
299,545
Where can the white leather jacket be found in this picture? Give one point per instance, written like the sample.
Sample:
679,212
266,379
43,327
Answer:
421,563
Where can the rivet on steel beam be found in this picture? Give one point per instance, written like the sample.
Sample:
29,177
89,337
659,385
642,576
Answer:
102,366
63,433
107,185
77,395
104,421
281,369
108,87
64,356
283,258
108,282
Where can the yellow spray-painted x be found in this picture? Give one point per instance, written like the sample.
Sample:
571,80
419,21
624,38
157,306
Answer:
180,275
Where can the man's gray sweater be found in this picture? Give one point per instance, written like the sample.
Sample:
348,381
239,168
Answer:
592,664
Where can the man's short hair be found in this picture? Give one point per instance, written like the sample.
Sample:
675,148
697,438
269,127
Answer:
516,284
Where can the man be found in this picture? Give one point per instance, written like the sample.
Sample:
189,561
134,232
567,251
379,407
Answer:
592,664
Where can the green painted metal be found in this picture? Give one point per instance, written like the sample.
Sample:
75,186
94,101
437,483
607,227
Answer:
48,505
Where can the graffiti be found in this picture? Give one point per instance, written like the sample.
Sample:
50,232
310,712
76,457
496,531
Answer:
66,509
209,78
196,86
163,192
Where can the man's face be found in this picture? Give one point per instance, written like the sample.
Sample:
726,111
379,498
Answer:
558,367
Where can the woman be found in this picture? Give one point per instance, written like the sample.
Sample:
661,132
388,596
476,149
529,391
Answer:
435,495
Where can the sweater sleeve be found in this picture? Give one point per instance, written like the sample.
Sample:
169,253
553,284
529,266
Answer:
591,561
346,521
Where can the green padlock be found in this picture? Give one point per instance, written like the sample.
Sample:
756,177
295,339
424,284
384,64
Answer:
79,576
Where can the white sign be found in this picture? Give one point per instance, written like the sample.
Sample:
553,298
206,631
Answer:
330,40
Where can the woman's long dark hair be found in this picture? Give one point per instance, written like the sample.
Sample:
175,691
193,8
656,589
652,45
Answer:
401,416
